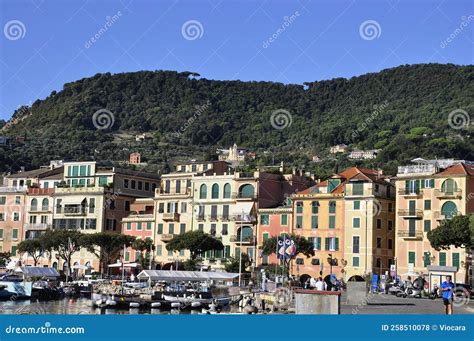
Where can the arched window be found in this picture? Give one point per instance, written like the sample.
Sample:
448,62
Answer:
203,192
449,186
247,233
34,204
227,191
449,209
246,191
55,265
45,204
215,191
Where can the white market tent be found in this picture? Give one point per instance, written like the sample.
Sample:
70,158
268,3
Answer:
125,265
202,276
37,271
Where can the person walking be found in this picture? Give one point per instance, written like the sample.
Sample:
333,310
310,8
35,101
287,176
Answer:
447,289
320,285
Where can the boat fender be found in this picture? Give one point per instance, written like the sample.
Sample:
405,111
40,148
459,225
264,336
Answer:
175,305
156,305
195,304
110,302
134,304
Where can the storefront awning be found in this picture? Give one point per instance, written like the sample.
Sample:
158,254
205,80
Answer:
71,200
201,276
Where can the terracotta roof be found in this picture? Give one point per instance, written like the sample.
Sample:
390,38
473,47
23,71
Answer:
458,169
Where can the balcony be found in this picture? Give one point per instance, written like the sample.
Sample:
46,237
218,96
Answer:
410,192
245,239
167,237
74,210
171,216
408,213
224,217
410,235
416,170
18,189
201,218
212,217
241,196
438,216
38,226
455,194
242,218
39,210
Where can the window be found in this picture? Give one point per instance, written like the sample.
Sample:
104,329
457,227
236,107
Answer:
178,186
427,183
390,207
170,253
442,258
455,256
356,205
428,205
299,207
390,244
300,261
356,222
315,207
203,192
44,219
159,250
103,180
284,219
427,225
314,222
379,243
147,186
129,226
265,219
224,229
45,204
127,205
355,244
379,223
201,227
161,207
225,212
140,185
3,200
357,189
17,200
1,233
355,261
34,204
160,229
148,225
317,243
133,184
214,212
184,207
315,261
213,230
14,250
332,207
215,191
246,191
332,244
227,191
332,222
299,222
92,205
390,225
125,183
411,257
15,234
426,259
2,216
378,263
16,216
449,186
182,228
171,228
33,219
449,209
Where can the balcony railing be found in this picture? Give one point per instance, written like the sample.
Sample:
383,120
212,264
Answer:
18,189
417,213
414,192
243,218
171,216
38,226
167,237
457,193
243,196
79,210
212,217
245,239
409,234
428,169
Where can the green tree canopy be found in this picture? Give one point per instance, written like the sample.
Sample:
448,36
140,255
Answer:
457,232
196,242
65,242
105,245
233,264
33,247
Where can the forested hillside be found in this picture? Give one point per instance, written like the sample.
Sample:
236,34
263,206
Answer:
403,111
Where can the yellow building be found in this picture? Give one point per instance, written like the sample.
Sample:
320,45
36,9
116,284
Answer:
350,219
427,193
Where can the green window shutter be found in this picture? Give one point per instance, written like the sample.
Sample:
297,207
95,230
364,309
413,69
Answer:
427,225
427,204
139,226
326,241
442,258
127,256
356,222
314,222
15,234
159,250
417,185
411,257
357,205
264,260
299,222
1,233
407,185
456,259
355,261
426,259
208,254
284,219
332,222
227,251
431,183
337,244
423,183
265,236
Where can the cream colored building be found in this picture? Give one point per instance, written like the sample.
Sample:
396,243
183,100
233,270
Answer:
428,192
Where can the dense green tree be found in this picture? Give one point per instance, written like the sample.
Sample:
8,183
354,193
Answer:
106,245
234,262
33,247
145,247
455,232
65,242
197,242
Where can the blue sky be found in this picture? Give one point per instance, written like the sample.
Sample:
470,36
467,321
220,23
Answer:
45,44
